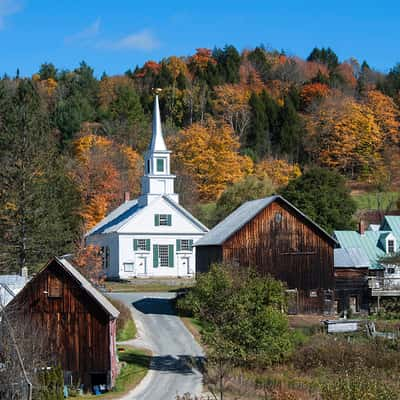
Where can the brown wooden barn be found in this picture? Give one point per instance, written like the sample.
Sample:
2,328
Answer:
351,280
79,320
274,236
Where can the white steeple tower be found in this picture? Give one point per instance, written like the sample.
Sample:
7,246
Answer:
157,180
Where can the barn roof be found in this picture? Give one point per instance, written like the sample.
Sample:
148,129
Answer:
245,213
88,287
351,258
62,262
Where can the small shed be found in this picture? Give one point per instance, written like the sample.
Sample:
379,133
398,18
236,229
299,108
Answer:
277,238
78,320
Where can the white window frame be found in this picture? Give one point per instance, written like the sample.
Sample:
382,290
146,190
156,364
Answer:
163,255
391,246
126,269
185,245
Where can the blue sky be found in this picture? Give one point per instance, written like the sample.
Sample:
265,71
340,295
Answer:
113,36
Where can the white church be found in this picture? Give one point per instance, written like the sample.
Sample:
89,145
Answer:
151,236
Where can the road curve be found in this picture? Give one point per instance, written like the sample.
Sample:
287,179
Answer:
174,348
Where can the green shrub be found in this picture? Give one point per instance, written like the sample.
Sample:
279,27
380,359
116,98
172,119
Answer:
50,385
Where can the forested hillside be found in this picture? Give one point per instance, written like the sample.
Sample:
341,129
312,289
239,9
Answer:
71,144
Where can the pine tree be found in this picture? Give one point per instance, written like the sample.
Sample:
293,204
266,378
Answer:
36,199
258,139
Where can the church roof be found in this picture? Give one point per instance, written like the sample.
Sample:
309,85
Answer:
122,214
157,140
245,213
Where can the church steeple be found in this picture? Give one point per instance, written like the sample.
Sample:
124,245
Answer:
157,180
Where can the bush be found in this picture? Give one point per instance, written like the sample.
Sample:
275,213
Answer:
242,314
51,385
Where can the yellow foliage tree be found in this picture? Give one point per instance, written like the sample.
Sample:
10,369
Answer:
386,114
103,171
279,171
209,155
344,135
233,105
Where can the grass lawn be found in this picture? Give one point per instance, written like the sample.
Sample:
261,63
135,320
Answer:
148,285
135,364
376,200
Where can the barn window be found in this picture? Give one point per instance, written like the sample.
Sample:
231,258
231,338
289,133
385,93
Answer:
278,217
54,287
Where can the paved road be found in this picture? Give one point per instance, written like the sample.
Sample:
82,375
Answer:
174,349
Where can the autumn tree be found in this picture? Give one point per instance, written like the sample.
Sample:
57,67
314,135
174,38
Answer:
209,154
313,92
278,170
102,172
232,104
344,135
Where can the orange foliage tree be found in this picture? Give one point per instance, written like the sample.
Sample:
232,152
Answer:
209,154
313,91
278,170
103,171
386,114
344,135
201,59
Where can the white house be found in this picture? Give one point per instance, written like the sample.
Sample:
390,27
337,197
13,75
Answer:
152,235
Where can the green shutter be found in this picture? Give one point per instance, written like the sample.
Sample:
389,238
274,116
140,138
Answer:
171,255
157,219
135,244
178,244
191,244
147,244
155,255
169,219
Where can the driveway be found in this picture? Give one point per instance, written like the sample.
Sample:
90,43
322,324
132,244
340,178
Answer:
176,355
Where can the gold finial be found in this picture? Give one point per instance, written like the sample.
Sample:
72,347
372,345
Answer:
156,91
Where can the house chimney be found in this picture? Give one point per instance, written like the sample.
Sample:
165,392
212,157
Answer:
361,227
126,196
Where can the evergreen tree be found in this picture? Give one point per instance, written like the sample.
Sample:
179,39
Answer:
47,71
37,199
324,56
228,63
290,136
258,139
323,196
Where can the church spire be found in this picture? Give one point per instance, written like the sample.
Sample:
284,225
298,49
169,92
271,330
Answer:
157,180
157,140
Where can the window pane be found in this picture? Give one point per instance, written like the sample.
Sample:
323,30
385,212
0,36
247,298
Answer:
165,219
186,245
163,255
141,244
128,267
160,165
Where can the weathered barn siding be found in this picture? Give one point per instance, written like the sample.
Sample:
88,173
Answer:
207,255
281,242
76,325
351,283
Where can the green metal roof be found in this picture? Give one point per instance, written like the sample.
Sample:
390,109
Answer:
393,224
370,242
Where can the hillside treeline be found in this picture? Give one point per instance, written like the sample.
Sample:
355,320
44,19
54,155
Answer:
71,144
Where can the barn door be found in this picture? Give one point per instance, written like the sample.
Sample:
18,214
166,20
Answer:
292,301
